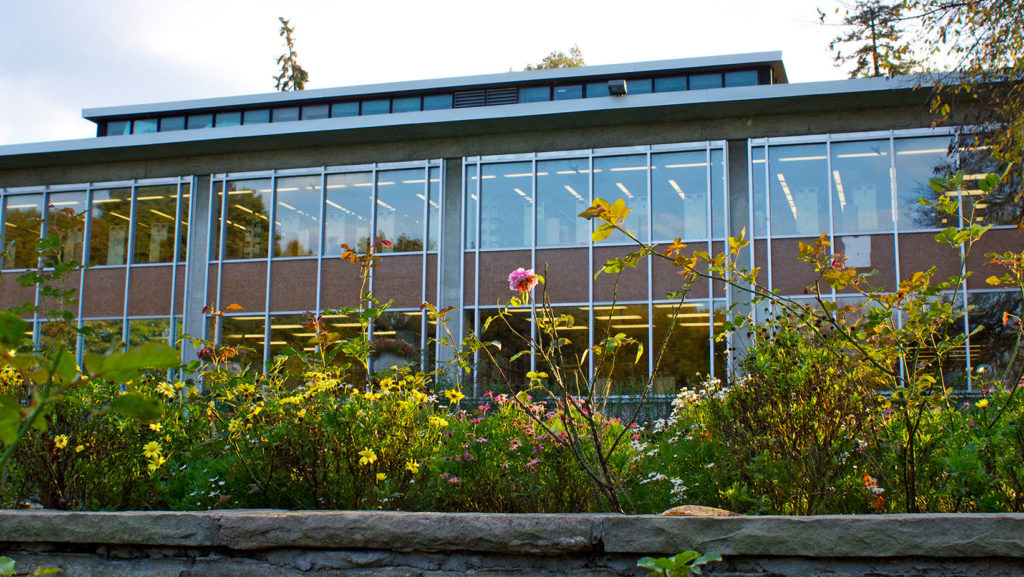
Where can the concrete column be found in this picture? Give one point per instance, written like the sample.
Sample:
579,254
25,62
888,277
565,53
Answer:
450,257
739,219
197,264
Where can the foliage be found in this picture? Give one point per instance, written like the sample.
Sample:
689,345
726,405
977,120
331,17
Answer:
293,76
877,37
685,563
558,59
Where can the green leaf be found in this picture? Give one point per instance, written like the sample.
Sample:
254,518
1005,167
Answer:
10,418
139,407
646,563
48,571
517,355
6,566
12,330
127,365
639,352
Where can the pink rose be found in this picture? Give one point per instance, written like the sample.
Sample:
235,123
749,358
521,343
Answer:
522,280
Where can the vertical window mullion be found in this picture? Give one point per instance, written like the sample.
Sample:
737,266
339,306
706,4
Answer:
270,255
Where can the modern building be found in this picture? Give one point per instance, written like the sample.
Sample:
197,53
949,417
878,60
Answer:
247,200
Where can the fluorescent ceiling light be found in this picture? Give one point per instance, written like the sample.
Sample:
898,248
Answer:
789,196
801,158
624,190
679,191
839,189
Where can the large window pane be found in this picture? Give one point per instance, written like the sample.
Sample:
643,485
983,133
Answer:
396,339
680,195
142,331
616,371
994,347
861,194
998,207
298,216
496,370
67,220
347,212
246,334
102,337
917,160
471,206
562,193
798,189
290,331
248,219
401,199
758,165
186,194
570,355
155,209
215,238
108,236
624,177
434,235
687,357
23,221
719,226
506,205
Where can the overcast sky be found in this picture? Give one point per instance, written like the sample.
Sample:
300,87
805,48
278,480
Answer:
61,56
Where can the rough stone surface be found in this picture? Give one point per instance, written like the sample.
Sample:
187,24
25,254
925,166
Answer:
428,532
369,544
974,535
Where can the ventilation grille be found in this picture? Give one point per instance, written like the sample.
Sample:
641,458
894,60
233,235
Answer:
492,97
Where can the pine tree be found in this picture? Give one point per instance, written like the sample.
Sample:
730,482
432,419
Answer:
877,34
293,76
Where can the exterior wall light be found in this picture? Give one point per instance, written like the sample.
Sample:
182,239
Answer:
617,87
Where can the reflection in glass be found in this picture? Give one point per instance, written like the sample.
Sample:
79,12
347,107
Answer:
718,194
248,219
998,207
218,198
261,116
244,333
101,337
434,234
679,193
23,219
569,356
401,196
108,236
185,214
721,346
687,358
616,372
67,219
290,331
347,211
144,126
437,102
141,331
506,205
172,123
471,206
568,92
562,193
917,160
229,119
119,127
200,121
994,347
861,194
798,187
396,339
155,207
347,327
757,186
624,177
495,374
297,231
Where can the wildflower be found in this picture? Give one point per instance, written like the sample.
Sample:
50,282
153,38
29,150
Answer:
454,480
155,427
412,466
79,448
155,463
437,421
522,280
981,404
367,457
60,441
454,395
381,476
165,390
151,450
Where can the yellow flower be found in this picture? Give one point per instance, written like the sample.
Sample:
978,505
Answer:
179,385
412,466
155,427
381,476
165,390
981,404
60,441
301,414
366,457
79,448
454,395
151,450
437,421
155,463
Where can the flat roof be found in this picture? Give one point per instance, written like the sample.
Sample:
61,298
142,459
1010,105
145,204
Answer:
725,62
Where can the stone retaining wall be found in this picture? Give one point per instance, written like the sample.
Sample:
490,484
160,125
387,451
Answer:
258,543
